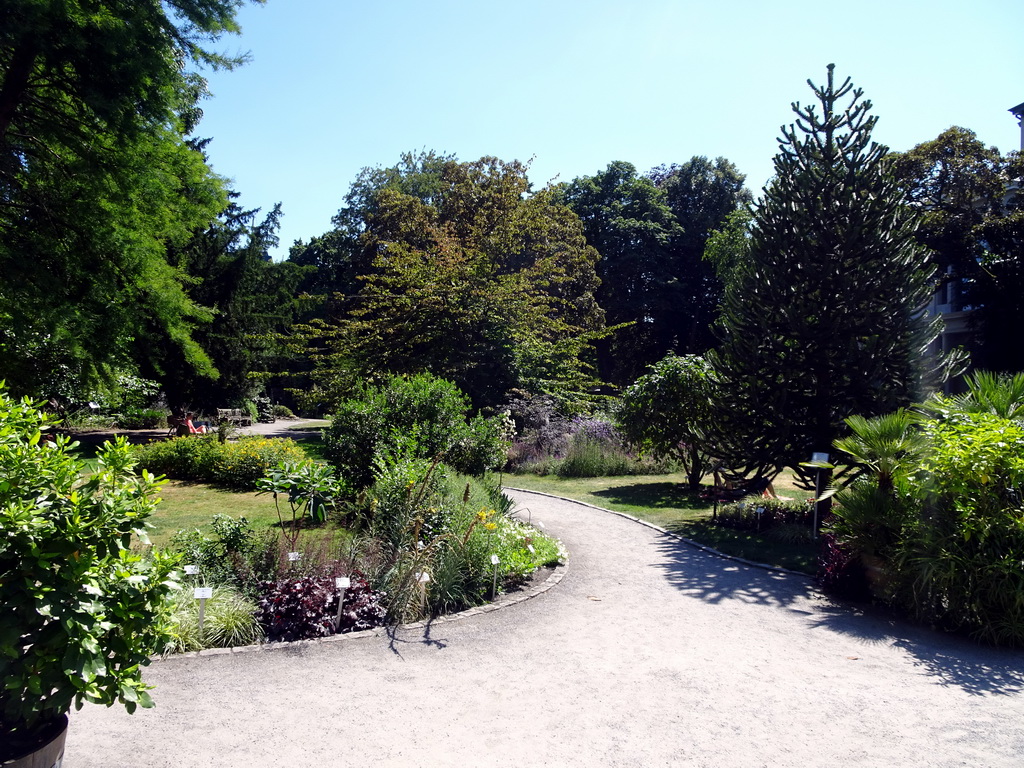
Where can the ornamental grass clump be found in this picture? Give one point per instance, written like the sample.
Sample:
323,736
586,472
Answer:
229,620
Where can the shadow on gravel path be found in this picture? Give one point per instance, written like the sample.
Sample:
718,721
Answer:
716,579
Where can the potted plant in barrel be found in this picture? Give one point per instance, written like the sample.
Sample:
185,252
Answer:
80,612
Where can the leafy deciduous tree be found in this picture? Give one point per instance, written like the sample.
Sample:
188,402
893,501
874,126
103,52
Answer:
667,411
650,232
627,219
97,179
466,275
702,195
973,221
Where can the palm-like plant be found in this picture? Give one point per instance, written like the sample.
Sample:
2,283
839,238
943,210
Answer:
1000,394
875,511
884,446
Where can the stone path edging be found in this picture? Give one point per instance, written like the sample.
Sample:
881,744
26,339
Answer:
690,542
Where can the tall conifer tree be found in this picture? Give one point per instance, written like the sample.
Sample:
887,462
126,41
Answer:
825,317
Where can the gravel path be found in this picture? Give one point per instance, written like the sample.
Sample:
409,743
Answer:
648,653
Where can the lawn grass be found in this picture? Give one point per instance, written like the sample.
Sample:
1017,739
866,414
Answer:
193,505
660,499
310,440
665,501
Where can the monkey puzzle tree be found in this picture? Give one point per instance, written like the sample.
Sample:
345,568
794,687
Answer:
824,319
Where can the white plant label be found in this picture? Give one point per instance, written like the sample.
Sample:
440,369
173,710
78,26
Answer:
423,577
343,582
203,593
760,510
532,550
540,523
819,458
191,570
294,557
494,560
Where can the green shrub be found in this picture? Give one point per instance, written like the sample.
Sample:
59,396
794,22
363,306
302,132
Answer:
969,542
310,489
942,536
142,418
82,613
282,412
236,555
235,464
419,415
243,462
667,412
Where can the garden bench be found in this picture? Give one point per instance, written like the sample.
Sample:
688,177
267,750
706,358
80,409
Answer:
233,416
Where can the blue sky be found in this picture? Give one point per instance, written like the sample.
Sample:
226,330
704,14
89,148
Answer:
335,85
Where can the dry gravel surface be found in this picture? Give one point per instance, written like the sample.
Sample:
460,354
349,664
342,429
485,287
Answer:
648,653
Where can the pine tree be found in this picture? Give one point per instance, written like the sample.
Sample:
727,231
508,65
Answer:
825,318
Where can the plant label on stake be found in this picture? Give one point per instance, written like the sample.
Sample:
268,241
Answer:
818,462
422,578
494,583
191,570
532,550
342,583
202,594
294,557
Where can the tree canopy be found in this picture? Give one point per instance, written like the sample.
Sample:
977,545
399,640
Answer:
465,274
98,180
650,232
972,221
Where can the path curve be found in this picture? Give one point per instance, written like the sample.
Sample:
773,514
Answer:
648,653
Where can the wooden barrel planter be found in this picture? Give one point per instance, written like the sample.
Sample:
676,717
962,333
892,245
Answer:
48,753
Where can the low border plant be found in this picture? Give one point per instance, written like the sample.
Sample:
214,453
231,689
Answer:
229,620
237,464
